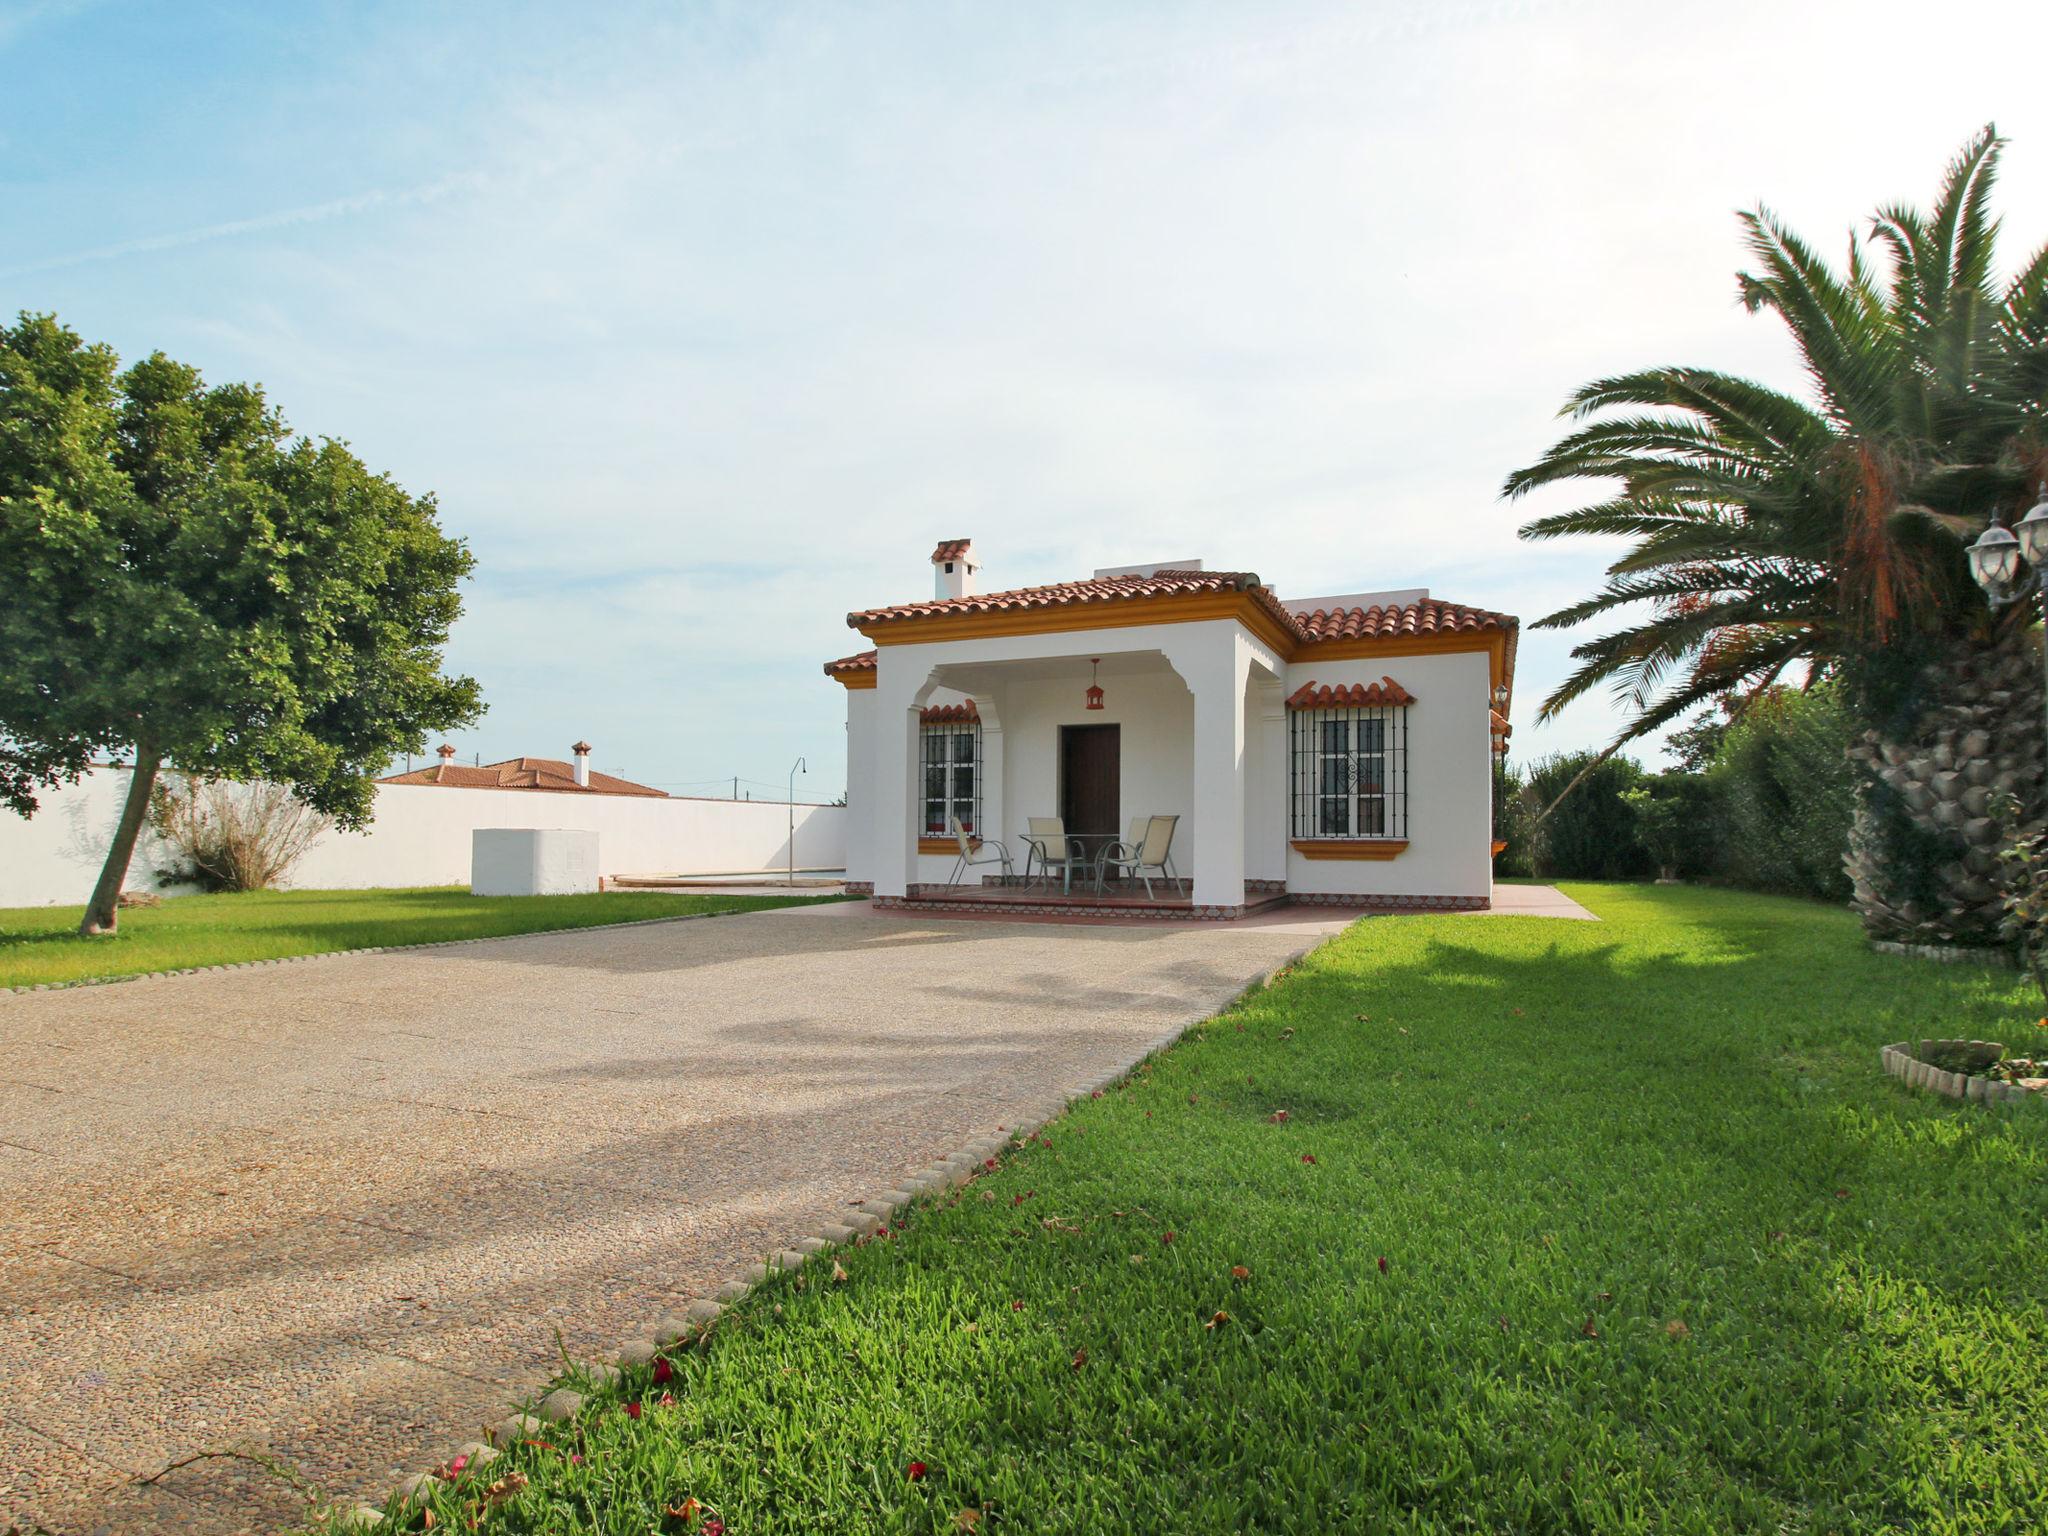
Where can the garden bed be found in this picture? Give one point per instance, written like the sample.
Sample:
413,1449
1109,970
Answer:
1966,1069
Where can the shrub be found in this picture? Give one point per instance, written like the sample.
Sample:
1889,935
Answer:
233,837
1678,821
1593,834
1511,817
1787,793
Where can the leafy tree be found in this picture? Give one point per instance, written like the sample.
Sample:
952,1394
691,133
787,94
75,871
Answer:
1693,747
1787,792
188,582
1593,834
1771,533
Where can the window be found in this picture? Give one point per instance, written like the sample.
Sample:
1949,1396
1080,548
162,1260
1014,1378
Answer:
952,776
1349,775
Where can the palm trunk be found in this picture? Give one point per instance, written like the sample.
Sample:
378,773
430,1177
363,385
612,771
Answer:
1923,854
102,913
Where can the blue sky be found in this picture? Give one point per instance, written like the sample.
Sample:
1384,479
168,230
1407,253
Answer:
704,322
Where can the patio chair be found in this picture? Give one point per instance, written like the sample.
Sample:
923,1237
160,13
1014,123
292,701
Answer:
990,852
1127,846
1144,856
1046,841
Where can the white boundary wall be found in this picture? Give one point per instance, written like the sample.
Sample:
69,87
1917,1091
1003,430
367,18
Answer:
421,836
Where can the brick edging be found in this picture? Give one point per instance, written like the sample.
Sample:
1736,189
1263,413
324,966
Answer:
1947,954
376,949
700,1315
1904,1063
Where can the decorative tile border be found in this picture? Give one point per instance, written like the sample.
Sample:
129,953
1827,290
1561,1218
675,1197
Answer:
340,954
700,1316
1062,908
1903,1062
859,887
1392,903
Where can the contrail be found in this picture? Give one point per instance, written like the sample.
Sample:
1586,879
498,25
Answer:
313,213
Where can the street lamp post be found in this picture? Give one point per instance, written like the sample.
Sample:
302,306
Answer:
799,767
1996,559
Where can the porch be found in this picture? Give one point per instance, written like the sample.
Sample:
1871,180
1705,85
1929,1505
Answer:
1077,752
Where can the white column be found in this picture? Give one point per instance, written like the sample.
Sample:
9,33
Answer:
993,828
1266,812
892,842
1215,672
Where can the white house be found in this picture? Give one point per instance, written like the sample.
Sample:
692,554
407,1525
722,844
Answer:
1324,749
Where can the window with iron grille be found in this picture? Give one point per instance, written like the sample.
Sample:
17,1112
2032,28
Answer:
952,776
1349,775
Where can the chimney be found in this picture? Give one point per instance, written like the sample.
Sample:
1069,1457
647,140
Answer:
953,569
445,752
582,751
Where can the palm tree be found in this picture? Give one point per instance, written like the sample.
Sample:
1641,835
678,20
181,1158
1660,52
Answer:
1824,536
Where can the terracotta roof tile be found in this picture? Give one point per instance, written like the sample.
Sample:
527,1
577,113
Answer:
951,549
949,714
1428,617
522,773
859,661
1384,694
1071,594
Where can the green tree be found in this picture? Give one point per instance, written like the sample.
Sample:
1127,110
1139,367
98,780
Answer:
188,582
1826,535
1592,834
1787,792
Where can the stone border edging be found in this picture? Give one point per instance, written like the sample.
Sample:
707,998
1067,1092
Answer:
1947,954
1901,1063
702,1313
373,949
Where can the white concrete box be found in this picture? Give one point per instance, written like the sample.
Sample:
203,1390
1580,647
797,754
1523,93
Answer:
532,861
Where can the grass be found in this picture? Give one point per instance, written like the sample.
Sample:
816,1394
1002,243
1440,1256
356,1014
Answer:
40,944
1569,1228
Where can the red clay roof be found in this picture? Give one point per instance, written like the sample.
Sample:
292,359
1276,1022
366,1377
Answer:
949,714
859,661
1428,617
1384,694
522,773
950,549
1072,594
1431,616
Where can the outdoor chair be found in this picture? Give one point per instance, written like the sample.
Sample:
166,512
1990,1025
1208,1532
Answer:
1144,855
990,852
1047,842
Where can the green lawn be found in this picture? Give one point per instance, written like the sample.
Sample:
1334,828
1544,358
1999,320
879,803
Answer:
40,944
1569,1227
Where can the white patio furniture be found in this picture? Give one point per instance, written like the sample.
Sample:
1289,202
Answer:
1046,842
988,852
1148,852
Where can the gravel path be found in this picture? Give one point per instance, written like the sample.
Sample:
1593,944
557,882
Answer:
339,1209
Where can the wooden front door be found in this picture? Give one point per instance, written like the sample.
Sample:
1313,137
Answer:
1090,791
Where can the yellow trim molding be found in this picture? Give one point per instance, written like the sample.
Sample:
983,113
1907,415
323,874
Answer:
1349,848
863,679
1125,613
943,844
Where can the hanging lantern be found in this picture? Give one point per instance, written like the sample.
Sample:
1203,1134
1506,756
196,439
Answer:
1094,688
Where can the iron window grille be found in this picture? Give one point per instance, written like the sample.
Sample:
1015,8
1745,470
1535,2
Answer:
952,776
1349,775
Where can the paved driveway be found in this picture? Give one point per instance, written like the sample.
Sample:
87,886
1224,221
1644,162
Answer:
339,1208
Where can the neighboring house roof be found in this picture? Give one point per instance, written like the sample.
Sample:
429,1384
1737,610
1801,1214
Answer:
546,773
